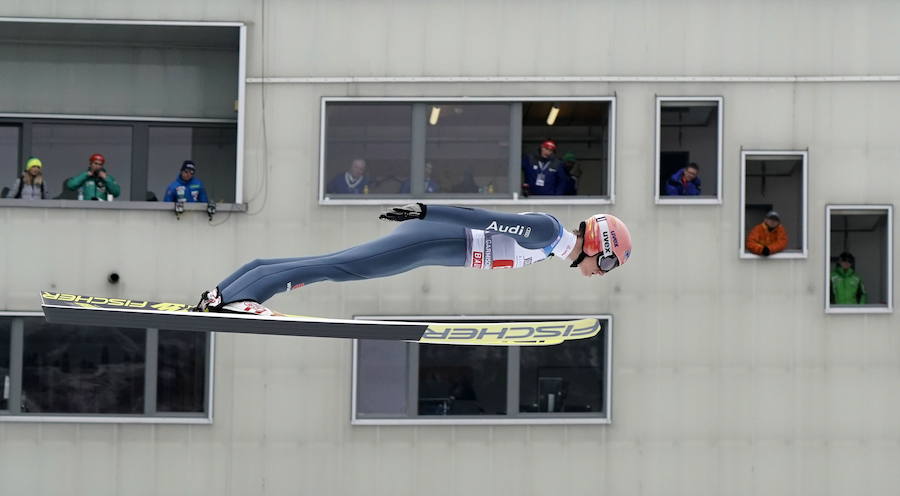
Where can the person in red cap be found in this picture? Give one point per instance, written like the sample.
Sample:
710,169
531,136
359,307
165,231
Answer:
95,183
544,174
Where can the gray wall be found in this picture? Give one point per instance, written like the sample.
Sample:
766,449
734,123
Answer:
728,376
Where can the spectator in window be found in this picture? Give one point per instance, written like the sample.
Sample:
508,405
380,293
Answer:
30,185
768,237
846,286
351,182
186,187
431,186
573,170
543,174
685,182
95,183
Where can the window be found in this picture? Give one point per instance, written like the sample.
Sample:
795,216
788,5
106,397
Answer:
473,149
143,157
397,382
467,150
858,268
69,372
582,133
5,358
65,150
10,164
212,148
688,150
774,182
101,92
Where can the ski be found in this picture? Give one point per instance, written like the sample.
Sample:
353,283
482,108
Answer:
68,308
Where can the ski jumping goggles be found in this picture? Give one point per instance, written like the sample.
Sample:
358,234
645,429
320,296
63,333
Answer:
606,263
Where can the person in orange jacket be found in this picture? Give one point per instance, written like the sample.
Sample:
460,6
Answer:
768,237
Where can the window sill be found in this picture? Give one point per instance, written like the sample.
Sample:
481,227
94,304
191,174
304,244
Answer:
787,254
118,205
485,421
691,200
859,309
105,419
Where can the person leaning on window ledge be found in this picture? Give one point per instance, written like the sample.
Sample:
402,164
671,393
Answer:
186,187
30,185
847,287
768,237
94,183
685,182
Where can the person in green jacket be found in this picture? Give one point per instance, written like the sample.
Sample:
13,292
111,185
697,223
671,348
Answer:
95,183
846,286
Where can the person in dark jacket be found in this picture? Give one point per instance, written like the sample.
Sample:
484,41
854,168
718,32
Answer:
30,185
186,187
544,174
685,182
846,286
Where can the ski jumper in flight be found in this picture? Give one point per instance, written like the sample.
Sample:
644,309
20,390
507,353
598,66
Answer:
432,235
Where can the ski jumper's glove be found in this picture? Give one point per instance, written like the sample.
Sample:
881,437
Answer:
406,212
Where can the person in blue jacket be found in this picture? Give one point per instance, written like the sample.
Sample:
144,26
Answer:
544,174
685,182
186,188
354,181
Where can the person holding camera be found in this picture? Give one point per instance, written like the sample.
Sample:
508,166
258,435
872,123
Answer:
95,183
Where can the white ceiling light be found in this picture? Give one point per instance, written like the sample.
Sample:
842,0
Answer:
551,117
435,115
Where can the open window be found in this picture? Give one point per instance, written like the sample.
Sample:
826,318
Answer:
858,268
190,77
688,150
582,133
774,204
477,149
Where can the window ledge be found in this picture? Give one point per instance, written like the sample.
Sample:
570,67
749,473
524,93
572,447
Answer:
118,205
106,419
787,254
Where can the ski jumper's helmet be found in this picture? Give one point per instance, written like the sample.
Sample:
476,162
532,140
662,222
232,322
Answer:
607,236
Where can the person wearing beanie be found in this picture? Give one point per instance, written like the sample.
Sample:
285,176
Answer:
95,183
186,187
768,237
30,185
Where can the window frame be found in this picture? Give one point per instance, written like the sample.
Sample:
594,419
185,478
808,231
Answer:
889,232
15,374
804,252
516,198
25,122
511,418
240,105
720,142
